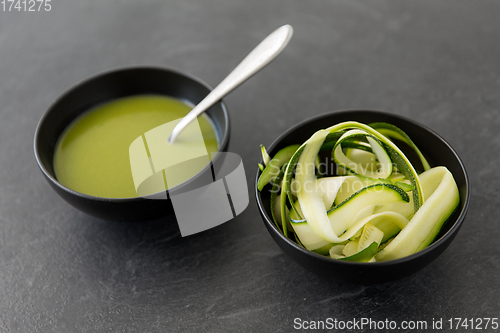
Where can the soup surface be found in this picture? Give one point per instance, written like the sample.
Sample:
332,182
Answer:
92,154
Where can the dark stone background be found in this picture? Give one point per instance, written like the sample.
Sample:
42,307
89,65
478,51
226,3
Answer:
437,62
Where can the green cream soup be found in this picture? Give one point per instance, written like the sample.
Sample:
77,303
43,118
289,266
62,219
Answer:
92,154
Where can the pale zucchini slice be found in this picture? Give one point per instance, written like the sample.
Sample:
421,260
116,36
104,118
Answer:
366,159
324,250
329,187
311,202
362,250
369,235
442,199
350,186
351,248
309,239
365,255
336,251
390,223
342,216
403,208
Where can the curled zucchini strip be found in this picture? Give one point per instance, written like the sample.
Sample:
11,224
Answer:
385,169
443,198
276,201
273,166
310,201
392,131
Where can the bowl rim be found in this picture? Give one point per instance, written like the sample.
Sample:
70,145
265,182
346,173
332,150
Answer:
450,233
225,133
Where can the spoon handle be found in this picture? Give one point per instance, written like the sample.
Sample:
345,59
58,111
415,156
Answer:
259,57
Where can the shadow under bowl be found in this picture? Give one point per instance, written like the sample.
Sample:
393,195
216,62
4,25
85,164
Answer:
107,87
437,151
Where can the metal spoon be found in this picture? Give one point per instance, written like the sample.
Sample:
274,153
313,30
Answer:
266,51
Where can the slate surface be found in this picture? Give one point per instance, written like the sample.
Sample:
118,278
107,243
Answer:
62,271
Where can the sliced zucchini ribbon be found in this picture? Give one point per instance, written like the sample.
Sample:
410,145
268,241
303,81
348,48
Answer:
376,208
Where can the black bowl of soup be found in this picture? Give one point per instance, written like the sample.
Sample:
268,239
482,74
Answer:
84,142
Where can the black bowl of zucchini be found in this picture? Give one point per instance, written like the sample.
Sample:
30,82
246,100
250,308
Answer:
361,196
